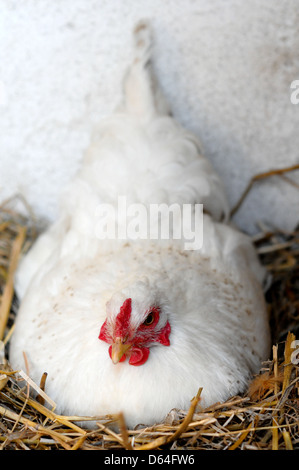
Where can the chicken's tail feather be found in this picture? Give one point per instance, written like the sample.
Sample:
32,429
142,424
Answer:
142,35
142,94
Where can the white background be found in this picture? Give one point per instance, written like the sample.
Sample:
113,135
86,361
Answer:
226,67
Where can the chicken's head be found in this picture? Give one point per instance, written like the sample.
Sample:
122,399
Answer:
132,333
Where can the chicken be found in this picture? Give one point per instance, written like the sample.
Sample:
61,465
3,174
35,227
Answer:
137,324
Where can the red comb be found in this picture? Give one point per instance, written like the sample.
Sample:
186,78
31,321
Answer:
122,320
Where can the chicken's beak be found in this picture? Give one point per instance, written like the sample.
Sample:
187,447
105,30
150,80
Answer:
118,350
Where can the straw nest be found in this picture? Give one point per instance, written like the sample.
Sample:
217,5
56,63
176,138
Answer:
266,417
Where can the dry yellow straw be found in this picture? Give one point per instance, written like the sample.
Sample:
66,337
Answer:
9,286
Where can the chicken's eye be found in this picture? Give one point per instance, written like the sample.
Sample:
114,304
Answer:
149,319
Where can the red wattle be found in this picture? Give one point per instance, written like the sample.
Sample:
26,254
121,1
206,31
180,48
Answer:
139,356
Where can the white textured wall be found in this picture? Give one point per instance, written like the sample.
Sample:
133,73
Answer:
225,65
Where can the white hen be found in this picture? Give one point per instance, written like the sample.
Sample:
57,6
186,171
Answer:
140,325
